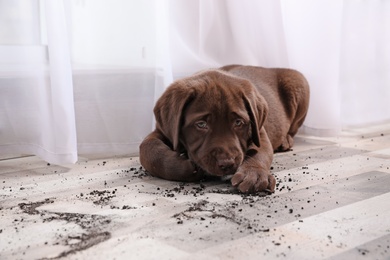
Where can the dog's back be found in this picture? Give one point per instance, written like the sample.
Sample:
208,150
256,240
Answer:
281,88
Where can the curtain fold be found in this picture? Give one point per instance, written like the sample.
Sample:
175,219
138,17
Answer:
62,129
81,77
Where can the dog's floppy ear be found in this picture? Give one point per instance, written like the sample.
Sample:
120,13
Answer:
169,109
257,109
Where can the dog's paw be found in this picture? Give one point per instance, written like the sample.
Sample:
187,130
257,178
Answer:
253,180
286,145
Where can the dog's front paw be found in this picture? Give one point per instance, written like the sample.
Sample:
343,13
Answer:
253,180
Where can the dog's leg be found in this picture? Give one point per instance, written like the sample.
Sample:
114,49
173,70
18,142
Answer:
297,121
161,161
254,173
286,145
295,92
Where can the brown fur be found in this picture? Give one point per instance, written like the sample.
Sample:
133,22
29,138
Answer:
226,121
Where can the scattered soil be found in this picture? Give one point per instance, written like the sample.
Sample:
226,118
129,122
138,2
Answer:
93,227
211,211
102,197
138,172
31,208
85,241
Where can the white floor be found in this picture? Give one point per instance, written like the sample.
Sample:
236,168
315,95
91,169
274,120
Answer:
332,201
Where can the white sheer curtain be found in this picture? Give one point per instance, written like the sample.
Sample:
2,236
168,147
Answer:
36,96
81,77
86,82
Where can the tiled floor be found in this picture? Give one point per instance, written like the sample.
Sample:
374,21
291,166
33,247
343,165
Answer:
332,201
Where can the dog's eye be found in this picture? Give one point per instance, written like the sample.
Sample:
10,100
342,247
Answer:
239,122
201,124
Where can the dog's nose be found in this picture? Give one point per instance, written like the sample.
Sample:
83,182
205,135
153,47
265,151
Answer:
225,164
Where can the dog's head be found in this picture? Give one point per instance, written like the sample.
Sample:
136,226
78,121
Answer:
213,117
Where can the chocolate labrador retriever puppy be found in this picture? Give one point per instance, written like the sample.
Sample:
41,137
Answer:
227,121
